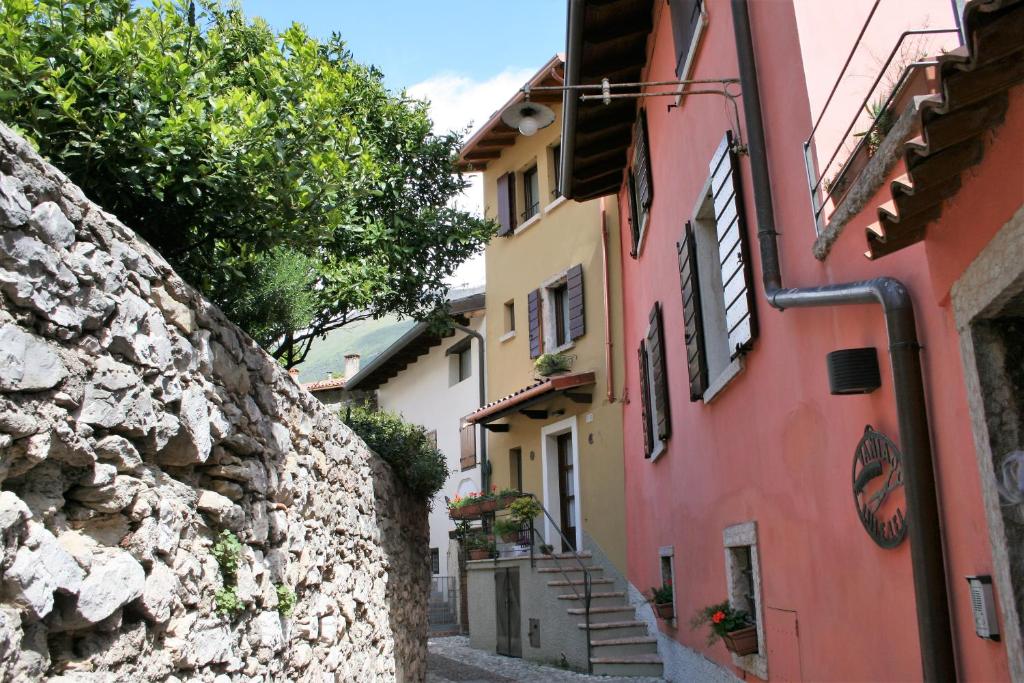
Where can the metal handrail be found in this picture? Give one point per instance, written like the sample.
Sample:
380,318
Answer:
815,179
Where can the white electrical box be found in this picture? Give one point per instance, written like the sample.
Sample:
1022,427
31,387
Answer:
983,605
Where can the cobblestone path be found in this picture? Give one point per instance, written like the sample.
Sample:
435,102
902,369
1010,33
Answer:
451,659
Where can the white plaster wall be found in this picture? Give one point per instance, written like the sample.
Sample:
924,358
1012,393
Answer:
422,395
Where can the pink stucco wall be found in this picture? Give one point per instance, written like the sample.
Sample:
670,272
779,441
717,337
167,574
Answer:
775,447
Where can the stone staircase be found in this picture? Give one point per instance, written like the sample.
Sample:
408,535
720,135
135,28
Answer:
619,642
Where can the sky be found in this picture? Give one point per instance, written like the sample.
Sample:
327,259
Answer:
466,56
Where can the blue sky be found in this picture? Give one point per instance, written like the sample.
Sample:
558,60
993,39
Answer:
413,41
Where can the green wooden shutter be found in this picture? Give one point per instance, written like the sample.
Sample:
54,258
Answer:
645,401
533,311
693,322
506,204
659,378
734,252
577,317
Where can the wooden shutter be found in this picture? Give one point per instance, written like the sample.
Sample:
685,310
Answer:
642,168
634,216
685,18
577,318
645,401
659,378
467,446
506,204
693,322
733,250
533,312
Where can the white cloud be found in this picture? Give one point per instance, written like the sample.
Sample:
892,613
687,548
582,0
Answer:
457,101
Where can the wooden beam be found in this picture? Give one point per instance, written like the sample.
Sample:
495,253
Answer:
491,427
535,414
576,397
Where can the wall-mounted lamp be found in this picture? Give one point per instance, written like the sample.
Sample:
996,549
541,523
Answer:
528,117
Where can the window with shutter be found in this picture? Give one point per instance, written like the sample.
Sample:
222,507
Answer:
645,400
658,375
634,216
467,446
686,23
534,315
693,322
644,189
577,318
506,204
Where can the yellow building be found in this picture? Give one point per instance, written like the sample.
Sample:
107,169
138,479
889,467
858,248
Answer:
553,286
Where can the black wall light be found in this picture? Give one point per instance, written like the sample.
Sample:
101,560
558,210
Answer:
853,371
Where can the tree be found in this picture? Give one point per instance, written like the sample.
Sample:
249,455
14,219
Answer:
274,172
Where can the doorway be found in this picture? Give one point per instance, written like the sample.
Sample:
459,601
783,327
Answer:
561,474
566,490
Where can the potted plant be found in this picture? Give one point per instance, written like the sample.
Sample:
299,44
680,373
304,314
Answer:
507,496
479,546
547,548
468,507
508,529
489,500
551,363
661,598
733,626
524,510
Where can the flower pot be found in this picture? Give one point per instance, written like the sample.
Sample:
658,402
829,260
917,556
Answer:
510,536
664,610
468,511
505,501
480,554
489,505
741,641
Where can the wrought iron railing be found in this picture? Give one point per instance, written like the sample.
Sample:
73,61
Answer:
823,191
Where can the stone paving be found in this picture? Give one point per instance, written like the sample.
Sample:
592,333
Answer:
451,659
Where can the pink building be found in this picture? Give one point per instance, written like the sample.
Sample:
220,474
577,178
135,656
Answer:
863,507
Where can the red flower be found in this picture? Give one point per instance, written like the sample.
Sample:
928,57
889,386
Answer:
718,617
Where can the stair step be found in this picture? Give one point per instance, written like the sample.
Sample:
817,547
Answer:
633,659
615,624
629,665
583,555
561,570
602,610
609,594
636,640
579,582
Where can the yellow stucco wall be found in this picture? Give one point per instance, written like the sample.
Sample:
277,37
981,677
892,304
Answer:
564,234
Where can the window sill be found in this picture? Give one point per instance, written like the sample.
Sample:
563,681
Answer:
555,204
567,346
526,225
724,378
508,335
659,450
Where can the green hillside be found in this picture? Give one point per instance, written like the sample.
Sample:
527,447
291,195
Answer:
366,337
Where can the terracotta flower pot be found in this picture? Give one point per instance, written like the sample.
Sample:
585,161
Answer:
741,641
664,610
489,505
480,554
510,536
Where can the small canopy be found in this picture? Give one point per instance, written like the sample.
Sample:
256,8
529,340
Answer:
526,396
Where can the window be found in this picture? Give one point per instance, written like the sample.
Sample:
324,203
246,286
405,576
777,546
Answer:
743,581
687,21
716,280
654,388
556,170
467,446
641,190
510,316
515,468
667,556
460,364
531,193
556,312
435,561
506,204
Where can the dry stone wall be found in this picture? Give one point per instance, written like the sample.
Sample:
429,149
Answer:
136,424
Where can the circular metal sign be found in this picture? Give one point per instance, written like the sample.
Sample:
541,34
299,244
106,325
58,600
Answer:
878,488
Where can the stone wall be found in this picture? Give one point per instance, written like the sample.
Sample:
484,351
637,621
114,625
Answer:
136,424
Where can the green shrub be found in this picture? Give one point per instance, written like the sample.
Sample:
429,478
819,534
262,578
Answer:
417,463
228,552
285,600
227,600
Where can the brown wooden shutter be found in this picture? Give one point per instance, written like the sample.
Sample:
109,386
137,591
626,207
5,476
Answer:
533,312
734,252
659,379
685,17
467,446
645,401
506,204
577,317
642,167
693,322
634,216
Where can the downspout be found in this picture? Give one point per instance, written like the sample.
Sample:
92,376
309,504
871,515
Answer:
609,380
485,469
923,521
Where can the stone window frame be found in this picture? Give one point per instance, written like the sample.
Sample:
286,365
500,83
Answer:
740,536
992,279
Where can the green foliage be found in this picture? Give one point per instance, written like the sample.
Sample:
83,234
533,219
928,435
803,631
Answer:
882,122
550,363
525,509
417,463
274,172
506,526
227,601
662,595
722,618
228,553
285,600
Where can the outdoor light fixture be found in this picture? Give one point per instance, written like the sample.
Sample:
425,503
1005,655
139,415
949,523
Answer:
528,117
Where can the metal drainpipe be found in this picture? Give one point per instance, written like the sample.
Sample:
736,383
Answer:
609,379
485,474
938,662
